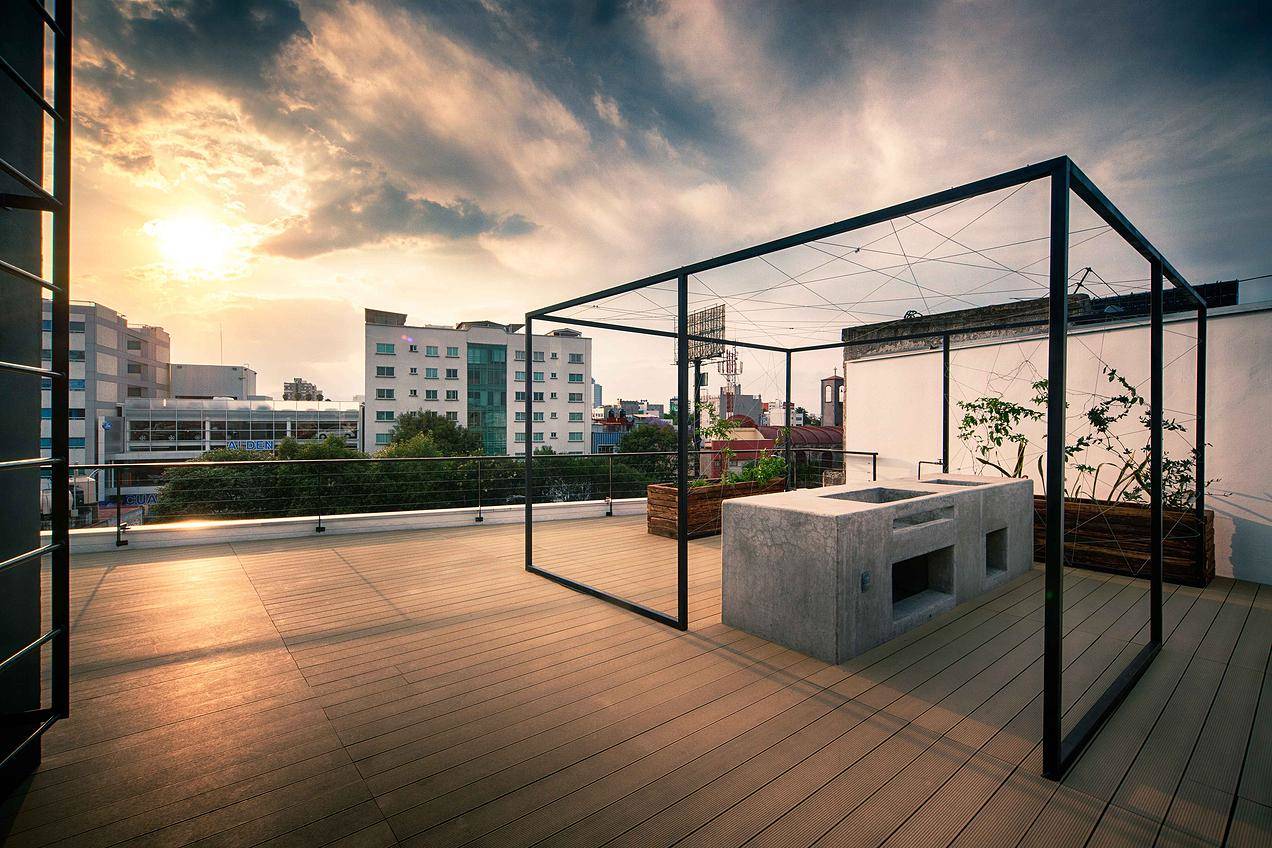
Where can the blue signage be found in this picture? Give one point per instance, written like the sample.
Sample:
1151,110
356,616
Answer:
137,499
250,444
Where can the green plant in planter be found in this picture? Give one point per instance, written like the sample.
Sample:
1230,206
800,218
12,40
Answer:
991,422
761,470
716,429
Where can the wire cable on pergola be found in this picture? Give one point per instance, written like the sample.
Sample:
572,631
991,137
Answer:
787,289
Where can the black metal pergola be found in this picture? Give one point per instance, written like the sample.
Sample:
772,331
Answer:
1066,179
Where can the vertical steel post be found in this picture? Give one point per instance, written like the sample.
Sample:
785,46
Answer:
609,498
682,446
529,431
60,573
479,518
697,417
1053,660
120,541
945,403
1155,528
1199,503
790,456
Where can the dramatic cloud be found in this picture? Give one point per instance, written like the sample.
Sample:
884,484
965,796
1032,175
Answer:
445,157
381,212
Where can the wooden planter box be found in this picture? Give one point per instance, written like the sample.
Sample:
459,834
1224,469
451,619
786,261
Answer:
704,505
1113,537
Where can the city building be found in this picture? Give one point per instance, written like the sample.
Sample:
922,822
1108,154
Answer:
298,388
111,361
775,414
608,429
729,404
832,401
596,393
475,373
186,428
205,382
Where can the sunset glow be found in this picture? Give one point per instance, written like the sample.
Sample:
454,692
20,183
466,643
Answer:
193,247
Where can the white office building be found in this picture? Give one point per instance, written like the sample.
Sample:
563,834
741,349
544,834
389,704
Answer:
474,373
111,361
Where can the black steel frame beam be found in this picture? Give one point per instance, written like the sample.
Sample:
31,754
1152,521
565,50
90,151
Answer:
1059,751
680,621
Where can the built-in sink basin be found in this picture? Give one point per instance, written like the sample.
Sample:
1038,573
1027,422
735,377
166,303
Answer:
877,495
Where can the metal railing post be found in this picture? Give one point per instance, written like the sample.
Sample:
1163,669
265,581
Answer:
120,541
609,498
479,519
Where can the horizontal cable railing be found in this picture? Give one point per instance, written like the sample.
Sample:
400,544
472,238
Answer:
155,492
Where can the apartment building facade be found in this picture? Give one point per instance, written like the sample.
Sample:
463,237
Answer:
111,361
474,374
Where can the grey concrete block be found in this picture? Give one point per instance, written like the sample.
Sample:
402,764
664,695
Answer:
834,571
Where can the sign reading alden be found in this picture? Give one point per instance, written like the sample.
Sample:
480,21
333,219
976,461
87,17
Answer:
250,444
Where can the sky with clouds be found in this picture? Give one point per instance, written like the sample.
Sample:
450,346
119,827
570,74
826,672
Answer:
258,171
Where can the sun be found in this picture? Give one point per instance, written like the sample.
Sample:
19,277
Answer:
193,246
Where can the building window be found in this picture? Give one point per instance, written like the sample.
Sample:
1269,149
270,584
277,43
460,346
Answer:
553,436
430,350
576,397
452,353
538,397
554,355
136,391
430,373
75,442
46,443
538,376
385,349
46,414
76,414
76,355
576,416
552,376
414,348
576,435
382,438
452,373
414,393
519,355
134,344
554,416
538,437
414,371
384,394
554,396
520,376
520,397
576,359
538,416
384,415
452,394
576,378
452,416
384,370
520,415
520,436
538,356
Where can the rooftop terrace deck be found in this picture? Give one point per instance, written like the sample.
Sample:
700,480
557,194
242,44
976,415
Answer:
421,689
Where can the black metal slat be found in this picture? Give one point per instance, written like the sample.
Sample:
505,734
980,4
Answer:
26,201
35,734
38,553
43,12
30,184
34,461
22,652
28,89
23,274
28,369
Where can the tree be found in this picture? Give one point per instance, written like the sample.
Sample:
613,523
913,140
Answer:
419,445
648,438
448,437
810,420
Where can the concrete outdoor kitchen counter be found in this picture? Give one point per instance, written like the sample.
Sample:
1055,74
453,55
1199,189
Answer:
832,572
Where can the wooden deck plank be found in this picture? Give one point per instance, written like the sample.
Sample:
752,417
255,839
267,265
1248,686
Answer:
421,687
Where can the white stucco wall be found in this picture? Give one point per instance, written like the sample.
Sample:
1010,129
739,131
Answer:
893,405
